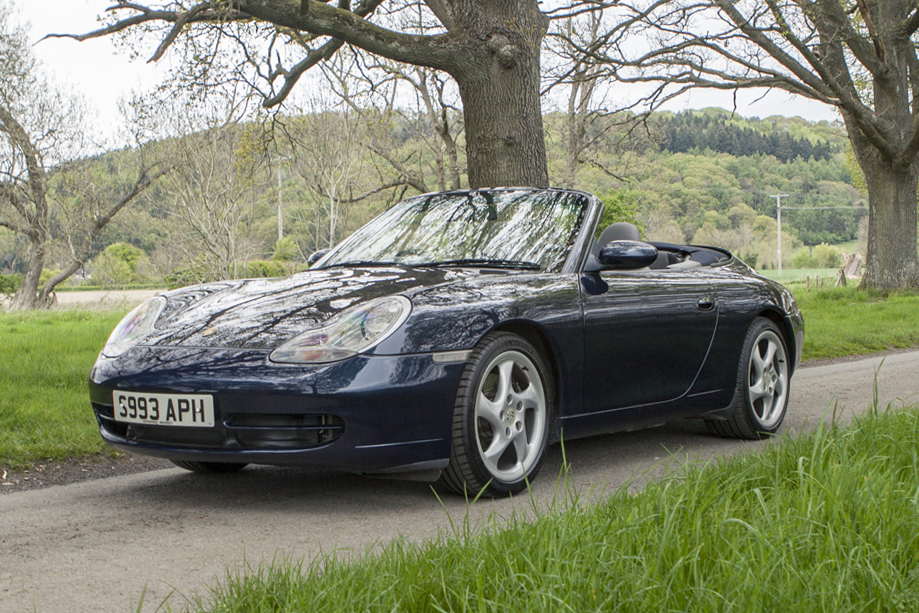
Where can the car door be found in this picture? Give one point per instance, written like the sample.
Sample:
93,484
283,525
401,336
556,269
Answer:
646,335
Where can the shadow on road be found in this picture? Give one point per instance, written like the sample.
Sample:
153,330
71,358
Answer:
305,490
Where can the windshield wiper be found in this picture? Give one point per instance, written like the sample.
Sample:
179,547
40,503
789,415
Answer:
485,263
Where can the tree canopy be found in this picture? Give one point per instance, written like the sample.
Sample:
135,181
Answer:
491,49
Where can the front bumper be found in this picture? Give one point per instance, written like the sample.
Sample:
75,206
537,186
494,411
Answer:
367,414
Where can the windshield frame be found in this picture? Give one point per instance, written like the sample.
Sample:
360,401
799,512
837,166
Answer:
567,261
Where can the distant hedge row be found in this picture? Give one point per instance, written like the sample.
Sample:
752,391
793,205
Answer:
250,270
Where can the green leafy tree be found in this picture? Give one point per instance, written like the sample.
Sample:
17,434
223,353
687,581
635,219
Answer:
619,205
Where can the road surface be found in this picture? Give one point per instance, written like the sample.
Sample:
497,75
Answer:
98,545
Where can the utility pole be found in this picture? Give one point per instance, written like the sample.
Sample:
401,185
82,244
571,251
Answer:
778,205
280,214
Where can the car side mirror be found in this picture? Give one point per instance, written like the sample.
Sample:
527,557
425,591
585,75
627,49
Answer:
316,256
627,255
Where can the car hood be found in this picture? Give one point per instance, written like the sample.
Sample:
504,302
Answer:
263,313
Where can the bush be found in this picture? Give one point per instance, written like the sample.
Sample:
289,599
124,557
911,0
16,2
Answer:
750,258
285,250
119,265
198,272
46,276
803,259
9,284
264,269
827,256
821,256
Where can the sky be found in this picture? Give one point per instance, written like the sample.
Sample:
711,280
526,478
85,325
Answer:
103,74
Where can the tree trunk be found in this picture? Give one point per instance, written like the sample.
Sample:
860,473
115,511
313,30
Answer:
498,74
892,261
26,296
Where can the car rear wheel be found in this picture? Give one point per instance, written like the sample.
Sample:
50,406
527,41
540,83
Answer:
504,407
210,467
763,380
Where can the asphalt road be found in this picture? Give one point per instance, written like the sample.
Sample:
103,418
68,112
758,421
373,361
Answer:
98,545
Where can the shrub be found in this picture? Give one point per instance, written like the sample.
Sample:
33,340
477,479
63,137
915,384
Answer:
264,269
827,256
285,250
198,272
46,276
803,259
9,284
120,264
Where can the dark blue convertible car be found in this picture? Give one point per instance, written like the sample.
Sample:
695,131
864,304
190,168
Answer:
454,337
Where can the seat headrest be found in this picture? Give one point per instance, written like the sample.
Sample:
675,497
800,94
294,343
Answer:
620,231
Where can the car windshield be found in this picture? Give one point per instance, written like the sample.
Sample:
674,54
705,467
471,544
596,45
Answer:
495,228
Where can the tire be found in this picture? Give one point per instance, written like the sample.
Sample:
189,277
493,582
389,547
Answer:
763,383
210,467
499,441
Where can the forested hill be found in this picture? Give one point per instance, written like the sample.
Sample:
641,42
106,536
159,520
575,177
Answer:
708,177
716,132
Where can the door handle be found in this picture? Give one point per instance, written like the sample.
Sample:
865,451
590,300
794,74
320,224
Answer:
706,304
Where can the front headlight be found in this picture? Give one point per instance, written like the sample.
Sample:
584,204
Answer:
355,331
135,325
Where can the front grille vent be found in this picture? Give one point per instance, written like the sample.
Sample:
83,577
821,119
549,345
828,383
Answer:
281,431
237,431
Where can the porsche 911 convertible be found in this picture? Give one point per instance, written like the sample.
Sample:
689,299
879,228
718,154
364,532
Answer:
452,338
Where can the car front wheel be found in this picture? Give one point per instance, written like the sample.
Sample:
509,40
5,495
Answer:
501,420
763,380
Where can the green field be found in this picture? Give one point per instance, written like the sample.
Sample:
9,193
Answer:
847,321
825,522
826,276
45,359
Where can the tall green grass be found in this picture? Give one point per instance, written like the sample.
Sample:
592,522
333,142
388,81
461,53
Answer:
825,522
848,321
45,359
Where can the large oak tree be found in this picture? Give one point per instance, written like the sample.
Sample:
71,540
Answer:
491,48
859,56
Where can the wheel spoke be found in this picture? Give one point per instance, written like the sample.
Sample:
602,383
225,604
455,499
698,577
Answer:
758,391
497,448
529,397
780,386
489,411
770,352
758,365
505,372
520,446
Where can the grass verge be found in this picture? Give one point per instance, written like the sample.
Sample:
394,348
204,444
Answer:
825,522
790,275
45,359
846,321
